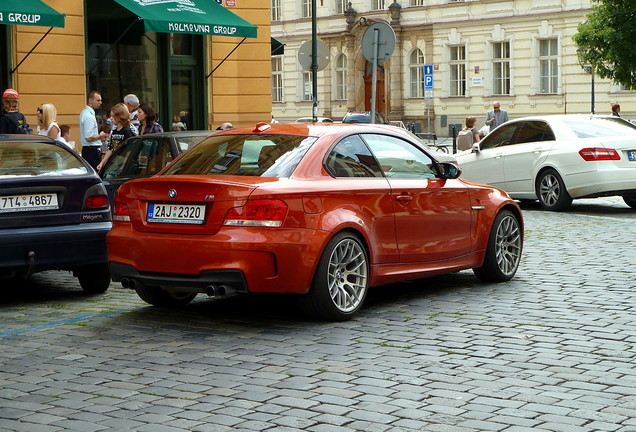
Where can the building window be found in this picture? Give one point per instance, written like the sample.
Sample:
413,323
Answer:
305,8
417,3
377,5
307,87
341,77
458,70
416,73
277,79
501,68
341,6
276,10
548,66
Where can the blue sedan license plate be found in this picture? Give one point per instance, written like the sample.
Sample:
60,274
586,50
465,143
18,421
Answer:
176,213
31,202
631,155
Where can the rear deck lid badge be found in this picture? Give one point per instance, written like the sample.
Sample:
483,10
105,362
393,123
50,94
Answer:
172,193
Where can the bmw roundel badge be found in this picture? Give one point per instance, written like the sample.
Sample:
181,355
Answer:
172,193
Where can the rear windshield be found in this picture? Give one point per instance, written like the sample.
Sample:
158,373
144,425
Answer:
30,159
247,155
185,142
601,127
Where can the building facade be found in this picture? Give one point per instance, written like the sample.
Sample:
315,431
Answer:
517,52
203,73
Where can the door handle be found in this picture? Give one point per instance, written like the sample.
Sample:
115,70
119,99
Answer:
404,199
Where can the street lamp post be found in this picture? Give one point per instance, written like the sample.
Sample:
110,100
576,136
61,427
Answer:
588,68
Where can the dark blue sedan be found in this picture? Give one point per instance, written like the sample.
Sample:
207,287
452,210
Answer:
54,212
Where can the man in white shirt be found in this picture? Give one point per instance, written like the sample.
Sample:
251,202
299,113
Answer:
90,137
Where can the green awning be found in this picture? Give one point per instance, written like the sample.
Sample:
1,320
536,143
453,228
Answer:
29,12
278,48
189,16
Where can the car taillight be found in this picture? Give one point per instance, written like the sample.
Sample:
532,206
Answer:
96,202
121,212
263,212
592,154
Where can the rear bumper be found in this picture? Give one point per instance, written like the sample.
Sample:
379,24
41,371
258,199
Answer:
248,260
207,281
607,181
53,248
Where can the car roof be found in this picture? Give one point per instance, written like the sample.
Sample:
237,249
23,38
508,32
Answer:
560,117
182,133
316,129
25,137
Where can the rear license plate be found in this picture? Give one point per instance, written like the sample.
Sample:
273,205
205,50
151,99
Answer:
176,213
31,202
631,155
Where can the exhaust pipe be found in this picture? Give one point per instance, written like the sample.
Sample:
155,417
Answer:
128,283
216,290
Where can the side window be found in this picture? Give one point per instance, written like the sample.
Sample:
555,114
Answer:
533,131
399,158
501,137
352,158
154,154
117,162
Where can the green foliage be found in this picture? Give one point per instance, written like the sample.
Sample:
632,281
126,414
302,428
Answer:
605,40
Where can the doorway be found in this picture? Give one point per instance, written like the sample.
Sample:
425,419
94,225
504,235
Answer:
5,58
380,99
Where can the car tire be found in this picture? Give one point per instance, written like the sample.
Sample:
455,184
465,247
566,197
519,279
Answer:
94,278
551,191
341,280
158,296
630,200
503,251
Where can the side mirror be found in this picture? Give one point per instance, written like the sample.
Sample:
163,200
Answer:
449,171
476,148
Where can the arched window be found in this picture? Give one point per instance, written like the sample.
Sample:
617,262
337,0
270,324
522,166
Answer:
341,77
416,73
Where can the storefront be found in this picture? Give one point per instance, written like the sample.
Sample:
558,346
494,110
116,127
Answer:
162,51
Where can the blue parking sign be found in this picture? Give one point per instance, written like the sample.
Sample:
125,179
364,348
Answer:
428,77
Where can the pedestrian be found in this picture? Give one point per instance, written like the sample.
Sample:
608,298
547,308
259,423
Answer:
120,116
65,135
13,121
177,124
148,120
497,116
616,110
132,103
469,135
90,136
225,126
47,126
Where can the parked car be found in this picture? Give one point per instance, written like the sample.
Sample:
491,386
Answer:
363,117
145,155
325,211
311,120
54,212
557,158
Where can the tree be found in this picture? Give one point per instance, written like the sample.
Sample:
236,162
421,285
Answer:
606,40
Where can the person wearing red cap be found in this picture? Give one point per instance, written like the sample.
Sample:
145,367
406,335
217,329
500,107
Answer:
13,121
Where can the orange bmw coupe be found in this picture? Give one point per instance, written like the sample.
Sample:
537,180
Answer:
320,210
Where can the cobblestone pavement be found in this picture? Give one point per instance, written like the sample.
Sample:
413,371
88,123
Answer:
552,350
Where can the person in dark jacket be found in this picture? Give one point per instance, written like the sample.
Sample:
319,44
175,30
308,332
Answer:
148,120
12,121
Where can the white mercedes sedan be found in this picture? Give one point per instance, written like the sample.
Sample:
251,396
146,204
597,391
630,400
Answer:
556,158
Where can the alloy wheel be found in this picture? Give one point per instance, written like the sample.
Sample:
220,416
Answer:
549,190
347,275
508,245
